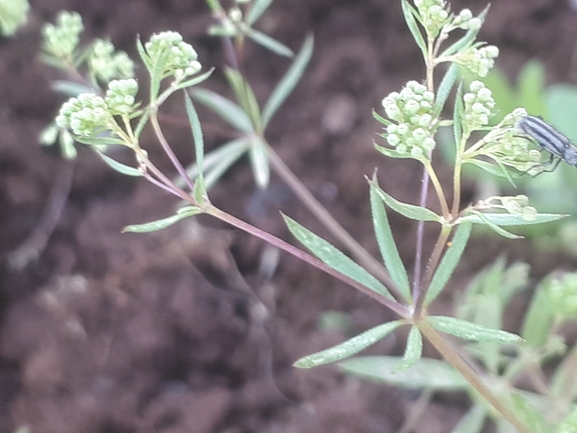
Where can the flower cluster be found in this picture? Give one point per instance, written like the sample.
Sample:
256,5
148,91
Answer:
89,114
106,63
178,57
61,40
85,115
504,145
514,151
412,126
477,60
434,15
519,205
515,205
479,104
120,96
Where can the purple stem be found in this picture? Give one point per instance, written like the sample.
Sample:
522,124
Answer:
420,236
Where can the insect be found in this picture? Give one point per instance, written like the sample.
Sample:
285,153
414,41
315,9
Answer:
549,139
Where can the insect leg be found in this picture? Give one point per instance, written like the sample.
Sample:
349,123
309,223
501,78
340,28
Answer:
555,165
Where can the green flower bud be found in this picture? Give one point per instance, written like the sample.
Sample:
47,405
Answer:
120,96
85,115
181,58
412,111
106,64
393,139
434,14
478,61
478,104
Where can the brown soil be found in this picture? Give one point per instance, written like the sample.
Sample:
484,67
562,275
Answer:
179,331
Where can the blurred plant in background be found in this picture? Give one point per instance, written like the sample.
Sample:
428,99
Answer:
13,15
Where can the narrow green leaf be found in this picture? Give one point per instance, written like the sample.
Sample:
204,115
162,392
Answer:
349,347
413,351
257,8
194,122
154,226
458,116
245,96
218,161
196,129
495,227
51,61
196,80
269,43
259,161
427,373
119,167
409,210
449,262
538,320
446,86
225,108
563,384
157,74
143,55
381,119
507,219
334,258
391,153
410,13
529,413
289,81
215,172
471,331
387,245
100,141
142,122
495,170
71,88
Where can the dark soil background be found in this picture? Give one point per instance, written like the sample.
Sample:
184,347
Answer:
194,329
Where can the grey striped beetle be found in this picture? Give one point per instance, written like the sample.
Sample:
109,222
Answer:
549,139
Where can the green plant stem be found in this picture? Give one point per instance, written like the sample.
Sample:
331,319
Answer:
456,187
321,213
430,67
420,295
430,64
168,150
163,181
452,356
209,209
438,188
